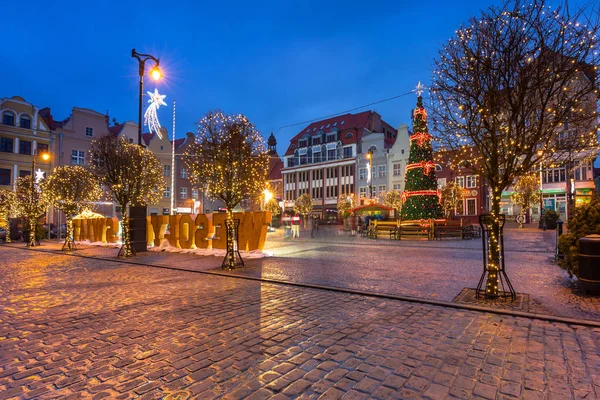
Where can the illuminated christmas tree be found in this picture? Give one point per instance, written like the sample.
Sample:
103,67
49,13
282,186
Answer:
420,199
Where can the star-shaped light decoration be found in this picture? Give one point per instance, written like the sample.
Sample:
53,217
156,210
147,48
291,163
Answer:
39,175
419,89
150,117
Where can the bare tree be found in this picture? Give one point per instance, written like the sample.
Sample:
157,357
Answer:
30,203
72,189
130,173
514,87
8,208
452,197
526,193
228,157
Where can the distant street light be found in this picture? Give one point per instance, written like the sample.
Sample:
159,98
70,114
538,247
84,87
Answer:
156,75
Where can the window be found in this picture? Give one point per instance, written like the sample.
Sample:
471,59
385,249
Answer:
362,173
342,123
362,192
382,171
167,169
24,147
438,167
195,194
89,131
24,173
460,181
6,145
166,211
331,154
349,135
183,193
397,186
397,169
25,122
328,125
131,141
381,189
5,176
331,138
183,172
302,143
471,181
471,209
348,152
335,123
316,140
77,157
8,118
167,192
554,175
42,148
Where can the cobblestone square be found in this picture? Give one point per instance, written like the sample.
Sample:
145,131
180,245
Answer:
77,327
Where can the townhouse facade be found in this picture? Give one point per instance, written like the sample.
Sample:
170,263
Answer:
23,132
325,158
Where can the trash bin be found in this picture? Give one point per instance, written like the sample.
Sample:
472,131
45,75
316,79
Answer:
589,263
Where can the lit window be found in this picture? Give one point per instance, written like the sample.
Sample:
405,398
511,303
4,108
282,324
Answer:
195,194
471,203
362,192
471,181
89,131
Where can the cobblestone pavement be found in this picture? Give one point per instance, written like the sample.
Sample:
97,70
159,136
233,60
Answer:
83,328
437,270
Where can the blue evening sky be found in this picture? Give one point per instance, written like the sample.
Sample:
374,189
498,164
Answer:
278,62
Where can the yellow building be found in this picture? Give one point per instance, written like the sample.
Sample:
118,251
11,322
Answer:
22,131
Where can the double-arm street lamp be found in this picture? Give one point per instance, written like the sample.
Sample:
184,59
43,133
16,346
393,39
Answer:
156,75
33,222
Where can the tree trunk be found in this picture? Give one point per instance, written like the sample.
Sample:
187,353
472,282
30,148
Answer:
7,239
126,250
68,246
493,255
32,227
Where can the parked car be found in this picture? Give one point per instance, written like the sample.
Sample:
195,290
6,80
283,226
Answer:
3,234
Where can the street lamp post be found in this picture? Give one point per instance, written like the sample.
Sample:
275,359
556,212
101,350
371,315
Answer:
156,75
32,221
541,223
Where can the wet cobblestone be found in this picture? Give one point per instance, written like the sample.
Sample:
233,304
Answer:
83,328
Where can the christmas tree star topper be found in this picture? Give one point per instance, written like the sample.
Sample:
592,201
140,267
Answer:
150,117
419,89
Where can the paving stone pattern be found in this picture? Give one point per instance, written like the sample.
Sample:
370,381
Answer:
82,328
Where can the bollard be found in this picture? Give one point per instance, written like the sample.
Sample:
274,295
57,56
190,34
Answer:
559,231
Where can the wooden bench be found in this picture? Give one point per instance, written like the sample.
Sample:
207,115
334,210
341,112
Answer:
414,230
389,227
448,228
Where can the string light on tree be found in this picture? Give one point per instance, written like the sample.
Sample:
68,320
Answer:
421,198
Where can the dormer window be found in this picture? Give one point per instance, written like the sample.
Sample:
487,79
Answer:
328,125
322,126
25,122
349,135
293,146
335,124
342,123
315,129
302,143
316,140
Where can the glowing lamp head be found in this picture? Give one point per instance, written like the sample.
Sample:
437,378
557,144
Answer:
540,152
45,156
268,195
156,73
368,156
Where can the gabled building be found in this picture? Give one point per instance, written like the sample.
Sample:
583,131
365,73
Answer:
274,177
323,159
23,131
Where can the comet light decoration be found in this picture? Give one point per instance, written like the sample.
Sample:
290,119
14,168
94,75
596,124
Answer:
150,116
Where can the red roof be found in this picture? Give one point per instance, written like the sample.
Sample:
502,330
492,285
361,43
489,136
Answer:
116,129
148,137
345,123
274,168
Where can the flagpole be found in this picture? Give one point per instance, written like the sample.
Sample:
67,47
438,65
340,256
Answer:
173,172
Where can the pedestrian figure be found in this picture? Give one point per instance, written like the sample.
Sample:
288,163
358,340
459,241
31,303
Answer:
296,226
353,226
286,222
315,226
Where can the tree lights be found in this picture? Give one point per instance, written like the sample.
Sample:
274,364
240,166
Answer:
8,208
131,174
513,88
420,199
230,160
72,189
30,203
